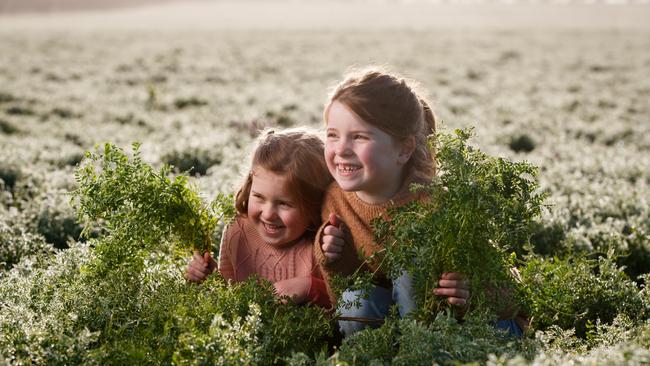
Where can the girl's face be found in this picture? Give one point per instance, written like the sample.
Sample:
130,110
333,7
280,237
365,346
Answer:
361,157
272,209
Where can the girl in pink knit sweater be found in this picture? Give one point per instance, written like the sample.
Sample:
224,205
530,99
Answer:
278,209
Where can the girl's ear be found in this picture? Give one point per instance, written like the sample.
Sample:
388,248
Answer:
407,149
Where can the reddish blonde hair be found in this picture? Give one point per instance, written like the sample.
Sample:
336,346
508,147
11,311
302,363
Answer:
297,154
393,105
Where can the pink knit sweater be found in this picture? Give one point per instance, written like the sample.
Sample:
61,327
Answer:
243,253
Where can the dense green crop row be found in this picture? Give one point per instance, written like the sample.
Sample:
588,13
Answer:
121,297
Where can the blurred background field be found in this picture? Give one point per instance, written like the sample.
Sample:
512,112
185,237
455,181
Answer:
564,85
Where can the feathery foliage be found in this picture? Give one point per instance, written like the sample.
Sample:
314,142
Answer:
476,215
133,202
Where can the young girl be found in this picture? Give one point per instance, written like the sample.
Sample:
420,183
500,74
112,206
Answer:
376,147
278,211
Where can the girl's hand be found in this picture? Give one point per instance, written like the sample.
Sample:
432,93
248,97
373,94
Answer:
454,286
333,239
296,288
200,267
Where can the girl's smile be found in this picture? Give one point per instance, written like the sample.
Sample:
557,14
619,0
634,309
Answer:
347,169
361,157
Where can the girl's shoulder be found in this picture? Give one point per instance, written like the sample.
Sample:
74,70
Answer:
413,189
234,229
333,189
238,224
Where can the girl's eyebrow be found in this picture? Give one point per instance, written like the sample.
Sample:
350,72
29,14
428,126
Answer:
367,132
281,199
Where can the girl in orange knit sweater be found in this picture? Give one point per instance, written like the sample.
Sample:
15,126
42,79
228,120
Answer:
278,209
376,147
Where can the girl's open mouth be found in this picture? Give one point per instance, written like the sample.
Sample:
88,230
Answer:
347,169
271,228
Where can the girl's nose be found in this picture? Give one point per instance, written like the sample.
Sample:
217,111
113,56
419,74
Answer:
269,212
342,147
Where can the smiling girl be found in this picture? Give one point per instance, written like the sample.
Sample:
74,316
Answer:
377,131
278,210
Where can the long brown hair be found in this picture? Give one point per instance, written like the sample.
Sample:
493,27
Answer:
392,104
297,154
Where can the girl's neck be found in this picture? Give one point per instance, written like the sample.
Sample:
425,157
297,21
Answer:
382,194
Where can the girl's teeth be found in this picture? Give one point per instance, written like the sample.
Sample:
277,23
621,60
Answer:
272,227
348,168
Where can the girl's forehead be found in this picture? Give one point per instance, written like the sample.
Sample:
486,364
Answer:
261,173
272,185
264,179
340,115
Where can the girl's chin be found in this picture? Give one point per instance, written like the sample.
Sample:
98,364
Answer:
271,238
347,185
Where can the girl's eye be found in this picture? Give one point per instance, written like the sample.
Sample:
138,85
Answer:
286,204
360,137
331,135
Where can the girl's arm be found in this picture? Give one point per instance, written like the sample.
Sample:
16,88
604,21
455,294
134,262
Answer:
318,293
226,266
296,288
304,289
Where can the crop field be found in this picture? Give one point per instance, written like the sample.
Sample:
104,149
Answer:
564,87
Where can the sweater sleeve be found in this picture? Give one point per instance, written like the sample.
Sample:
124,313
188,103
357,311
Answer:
318,294
327,207
319,254
226,266
349,260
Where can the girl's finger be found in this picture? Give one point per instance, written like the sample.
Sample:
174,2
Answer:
191,277
332,248
456,301
333,240
453,284
207,257
197,256
333,231
197,272
331,257
451,292
332,219
452,276
332,245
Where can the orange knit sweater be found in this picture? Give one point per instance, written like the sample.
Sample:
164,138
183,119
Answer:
243,253
359,238
357,216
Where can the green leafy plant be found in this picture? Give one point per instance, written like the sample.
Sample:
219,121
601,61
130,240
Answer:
476,217
121,298
577,292
441,342
131,199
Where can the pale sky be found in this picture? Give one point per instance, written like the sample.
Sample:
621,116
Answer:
358,15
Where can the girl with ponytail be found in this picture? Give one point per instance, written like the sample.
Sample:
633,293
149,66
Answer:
378,127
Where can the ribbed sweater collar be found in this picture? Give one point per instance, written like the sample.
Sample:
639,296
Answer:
372,210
